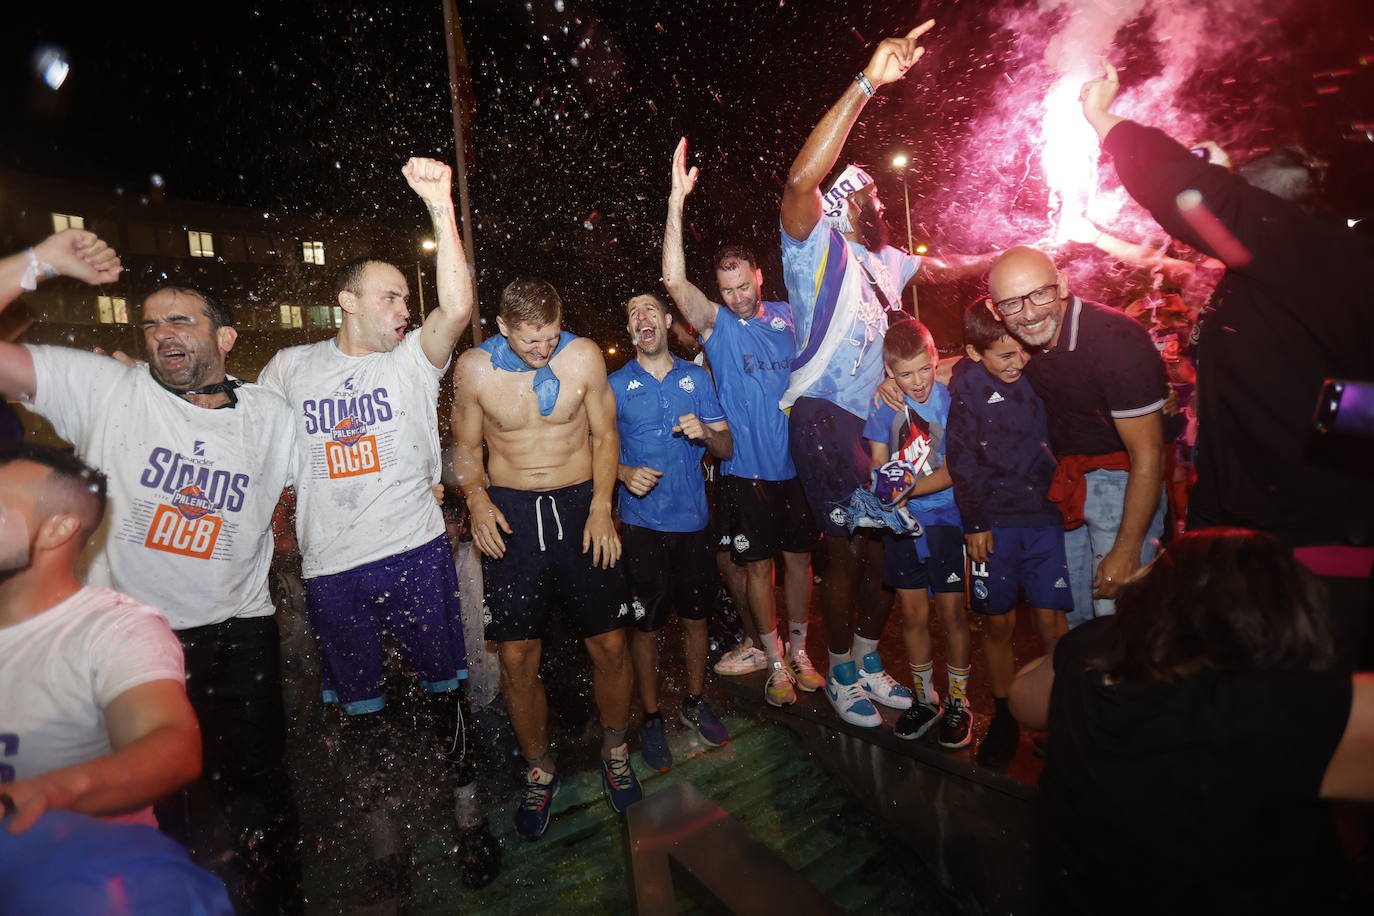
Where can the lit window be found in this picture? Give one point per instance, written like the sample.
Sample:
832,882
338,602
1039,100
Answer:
313,252
62,221
290,316
338,316
202,244
321,316
113,309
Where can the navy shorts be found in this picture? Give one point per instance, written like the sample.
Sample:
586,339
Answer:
1023,558
832,461
941,572
544,568
414,597
759,518
669,569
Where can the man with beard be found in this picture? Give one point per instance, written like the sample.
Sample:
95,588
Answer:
93,711
196,462
667,414
374,553
844,280
762,509
1104,387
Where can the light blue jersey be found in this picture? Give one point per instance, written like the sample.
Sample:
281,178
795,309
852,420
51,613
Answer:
839,316
752,360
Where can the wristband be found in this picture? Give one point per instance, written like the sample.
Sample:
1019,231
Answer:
35,271
865,84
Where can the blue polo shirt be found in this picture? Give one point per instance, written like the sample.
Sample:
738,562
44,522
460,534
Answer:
752,359
918,435
646,410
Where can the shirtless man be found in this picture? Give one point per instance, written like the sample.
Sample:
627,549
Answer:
553,456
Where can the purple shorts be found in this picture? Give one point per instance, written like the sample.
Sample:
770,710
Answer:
414,597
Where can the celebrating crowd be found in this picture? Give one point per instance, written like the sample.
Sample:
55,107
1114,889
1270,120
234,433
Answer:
1031,474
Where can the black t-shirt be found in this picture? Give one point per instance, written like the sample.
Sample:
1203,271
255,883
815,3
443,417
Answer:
1199,796
1104,367
1296,314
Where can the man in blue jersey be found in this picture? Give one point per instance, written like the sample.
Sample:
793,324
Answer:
843,280
668,415
763,511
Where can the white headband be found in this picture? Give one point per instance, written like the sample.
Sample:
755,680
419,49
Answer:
851,179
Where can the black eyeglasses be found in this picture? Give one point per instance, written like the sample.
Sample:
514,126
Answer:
1042,296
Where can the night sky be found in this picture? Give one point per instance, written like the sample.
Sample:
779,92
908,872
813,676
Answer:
315,106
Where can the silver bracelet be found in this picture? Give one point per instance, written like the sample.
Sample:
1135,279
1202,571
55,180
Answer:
864,84
35,272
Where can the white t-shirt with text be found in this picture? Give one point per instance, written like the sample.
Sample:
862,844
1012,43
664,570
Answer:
61,668
367,451
191,489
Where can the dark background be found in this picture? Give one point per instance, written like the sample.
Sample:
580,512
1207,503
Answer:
314,106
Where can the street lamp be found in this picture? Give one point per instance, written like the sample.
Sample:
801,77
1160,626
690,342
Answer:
899,162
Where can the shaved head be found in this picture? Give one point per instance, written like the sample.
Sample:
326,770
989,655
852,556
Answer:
1019,273
1017,267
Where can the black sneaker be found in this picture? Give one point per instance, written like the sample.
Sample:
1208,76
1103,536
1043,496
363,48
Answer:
917,720
480,853
956,730
999,744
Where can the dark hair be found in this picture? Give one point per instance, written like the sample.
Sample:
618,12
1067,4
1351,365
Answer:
82,487
1230,599
908,340
982,328
216,309
350,276
658,300
529,300
727,255
1287,172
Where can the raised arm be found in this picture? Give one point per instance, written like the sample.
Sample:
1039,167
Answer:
699,310
950,267
156,745
801,198
432,180
1080,229
599,535
72,253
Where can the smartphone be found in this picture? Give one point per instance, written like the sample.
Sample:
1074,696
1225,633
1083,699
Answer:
1346,408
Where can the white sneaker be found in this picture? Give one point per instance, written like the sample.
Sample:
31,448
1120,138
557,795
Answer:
743,659
882,687
849,700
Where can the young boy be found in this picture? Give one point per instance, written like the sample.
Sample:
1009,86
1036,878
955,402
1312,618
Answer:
935,560
1002,467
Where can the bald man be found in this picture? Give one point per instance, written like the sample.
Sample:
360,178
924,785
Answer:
1103,384
93,710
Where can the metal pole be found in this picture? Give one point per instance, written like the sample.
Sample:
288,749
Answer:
906,201
453,39
420,285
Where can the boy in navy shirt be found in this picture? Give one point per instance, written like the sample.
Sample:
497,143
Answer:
1002,465
933,562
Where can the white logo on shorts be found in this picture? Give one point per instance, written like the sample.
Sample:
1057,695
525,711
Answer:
741,543
686,383
1060,583
624,609
980,589
725,540
953,577
839,517
777,323
639,609
486,616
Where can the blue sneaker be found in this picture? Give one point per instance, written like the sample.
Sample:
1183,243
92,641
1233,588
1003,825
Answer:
618,777
882,687
846,694
653,745
709,729
532,814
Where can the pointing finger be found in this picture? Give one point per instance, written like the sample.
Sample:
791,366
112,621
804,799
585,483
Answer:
921,29
1111,71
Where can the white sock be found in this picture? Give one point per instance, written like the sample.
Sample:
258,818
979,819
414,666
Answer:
837,659
796,637
465,806
772,645
863,646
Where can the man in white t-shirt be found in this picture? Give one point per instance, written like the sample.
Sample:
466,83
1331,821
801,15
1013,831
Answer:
196,462
93,711
374,553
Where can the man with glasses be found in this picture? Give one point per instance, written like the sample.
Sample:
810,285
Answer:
1103,384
